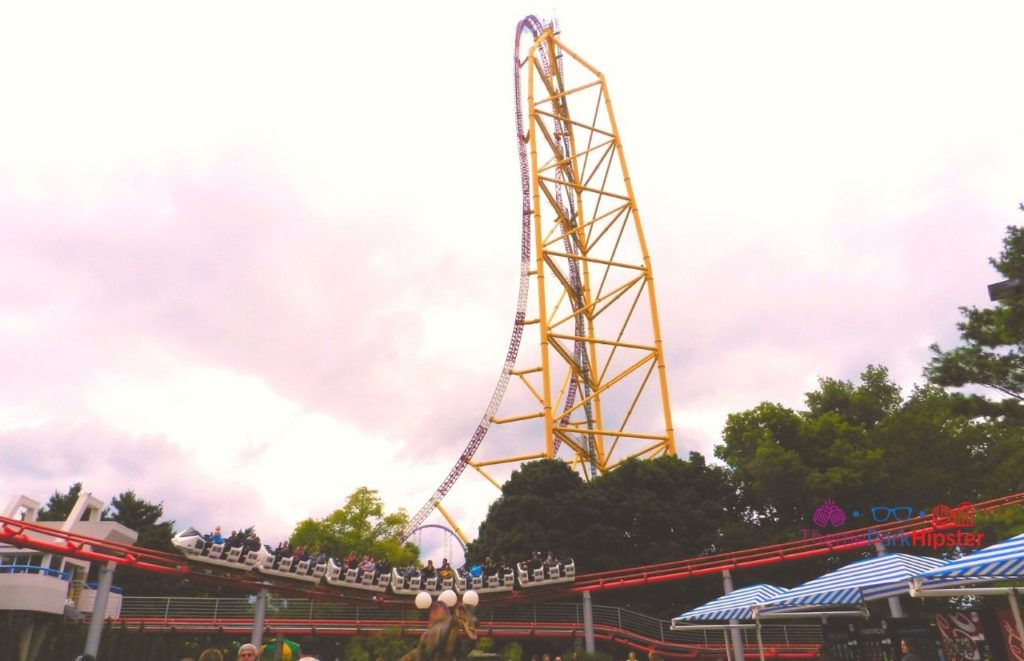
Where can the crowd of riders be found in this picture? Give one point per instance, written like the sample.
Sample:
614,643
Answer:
368,565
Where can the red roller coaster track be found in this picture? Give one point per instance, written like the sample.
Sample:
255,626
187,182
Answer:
17,533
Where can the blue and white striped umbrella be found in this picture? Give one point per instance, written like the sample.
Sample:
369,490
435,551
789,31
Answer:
873,578
1004,560
733,606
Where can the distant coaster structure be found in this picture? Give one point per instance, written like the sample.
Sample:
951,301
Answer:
595,386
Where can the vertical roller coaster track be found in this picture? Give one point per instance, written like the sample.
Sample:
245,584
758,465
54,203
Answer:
597,384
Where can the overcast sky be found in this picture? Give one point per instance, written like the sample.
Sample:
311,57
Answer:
255,256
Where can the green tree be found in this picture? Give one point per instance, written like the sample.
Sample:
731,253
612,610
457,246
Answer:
642,512
58,507
360,526
861,445
511,652
987,374
389,644
857,444
660,509
144,518
537,511
991,356
356,650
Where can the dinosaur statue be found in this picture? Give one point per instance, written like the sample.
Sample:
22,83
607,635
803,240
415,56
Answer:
438,642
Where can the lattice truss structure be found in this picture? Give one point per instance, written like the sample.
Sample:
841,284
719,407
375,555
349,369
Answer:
602,372
589,384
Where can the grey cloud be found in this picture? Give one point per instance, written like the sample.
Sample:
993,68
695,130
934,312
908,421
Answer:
50,458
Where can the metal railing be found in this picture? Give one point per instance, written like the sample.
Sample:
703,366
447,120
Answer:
539,619
32,569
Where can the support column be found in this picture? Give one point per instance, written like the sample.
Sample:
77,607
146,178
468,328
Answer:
259,618
895,606
760,642
279,644
588,623
38,637
25,640
1015,609
734,632
99,609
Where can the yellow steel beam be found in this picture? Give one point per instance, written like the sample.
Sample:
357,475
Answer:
518,418
589,223
655,448
573,122
594,171
632,405
486,475
625,322
538,233
567,356
451,522
583,188
595,260
655,320
533,391
611,343
613,295
571,91
507,460
612,432
561,163
605,385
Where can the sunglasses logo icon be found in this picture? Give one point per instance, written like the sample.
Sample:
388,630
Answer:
882,514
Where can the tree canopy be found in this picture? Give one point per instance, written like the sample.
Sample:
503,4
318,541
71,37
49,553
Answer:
144,517
59,505
642,512
859,445
991,355
359,526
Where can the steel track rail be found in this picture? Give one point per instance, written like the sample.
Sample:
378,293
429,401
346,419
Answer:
17,533
536,28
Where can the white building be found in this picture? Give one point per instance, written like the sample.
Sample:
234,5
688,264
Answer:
40,582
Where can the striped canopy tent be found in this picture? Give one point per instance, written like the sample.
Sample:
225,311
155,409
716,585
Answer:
737,605
1001,561
873,578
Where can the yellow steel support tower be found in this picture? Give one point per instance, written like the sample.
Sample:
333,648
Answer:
597,309
597,383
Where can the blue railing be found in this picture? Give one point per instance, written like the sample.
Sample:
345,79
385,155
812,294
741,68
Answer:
32,569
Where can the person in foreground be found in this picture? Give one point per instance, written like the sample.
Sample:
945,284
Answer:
909,651
307,649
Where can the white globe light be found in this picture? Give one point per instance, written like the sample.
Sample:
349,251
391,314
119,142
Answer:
471,598
448,598
423,600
